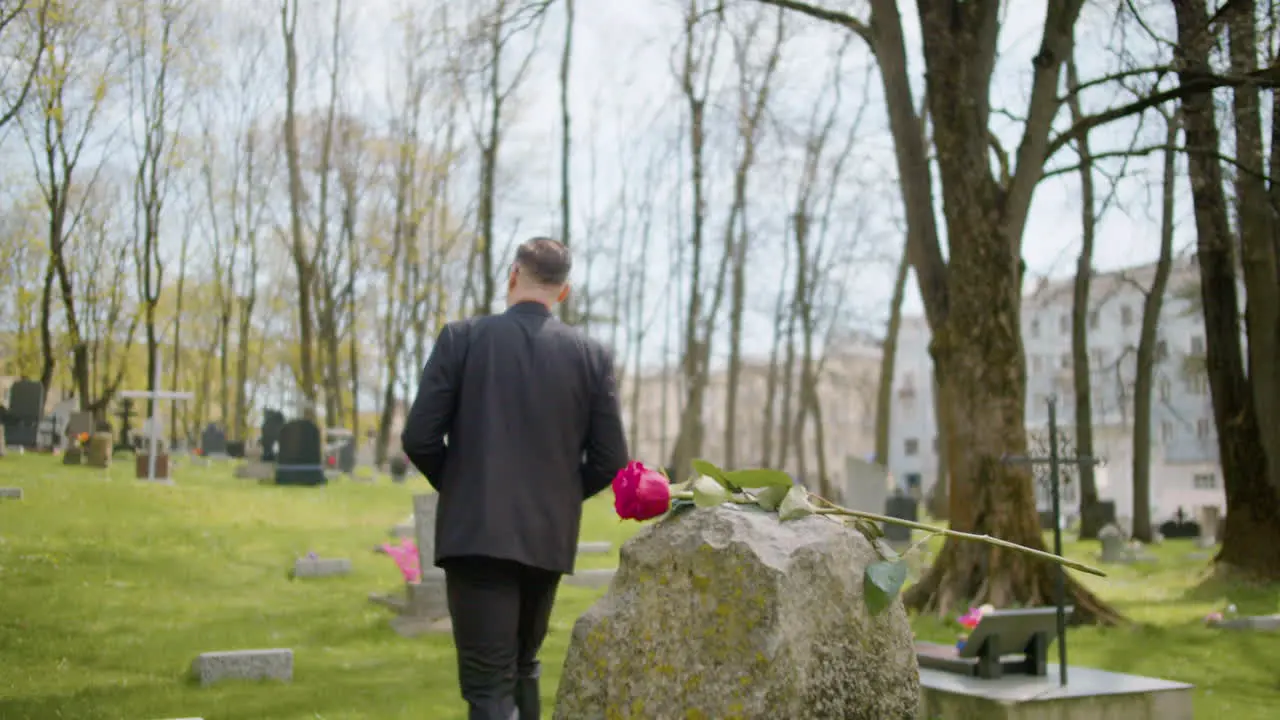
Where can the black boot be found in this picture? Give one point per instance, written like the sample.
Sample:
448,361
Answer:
528,700
493,709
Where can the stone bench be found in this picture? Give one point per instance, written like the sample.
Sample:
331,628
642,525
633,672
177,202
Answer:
11,493
273,664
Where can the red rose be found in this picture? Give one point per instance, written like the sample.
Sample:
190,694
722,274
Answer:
640,493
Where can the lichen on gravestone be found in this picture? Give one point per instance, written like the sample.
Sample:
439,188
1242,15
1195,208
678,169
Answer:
725,612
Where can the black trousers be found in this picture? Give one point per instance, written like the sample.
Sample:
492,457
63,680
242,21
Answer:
500,611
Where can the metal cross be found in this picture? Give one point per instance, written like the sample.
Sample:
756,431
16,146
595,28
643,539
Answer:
154,395
1055,462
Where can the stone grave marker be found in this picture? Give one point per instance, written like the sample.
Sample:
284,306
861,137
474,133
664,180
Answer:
153,462
125,414
1207,516
903,507
98,454
728,617
1180,527
347,456
425,607
1114,544
10,493
398,466
272,423
78,423
213,441
274,664
299,460
316,567
4,411
867,485
235,449
22,421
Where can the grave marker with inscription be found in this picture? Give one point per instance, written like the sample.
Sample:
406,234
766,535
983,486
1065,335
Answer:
300,460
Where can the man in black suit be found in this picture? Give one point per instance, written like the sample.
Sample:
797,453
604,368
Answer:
516,423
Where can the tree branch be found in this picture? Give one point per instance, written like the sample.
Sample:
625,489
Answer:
817,12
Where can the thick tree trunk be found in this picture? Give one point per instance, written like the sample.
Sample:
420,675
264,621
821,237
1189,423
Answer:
1152,306
1251,531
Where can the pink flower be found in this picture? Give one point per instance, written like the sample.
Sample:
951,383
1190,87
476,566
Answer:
405,556
640,493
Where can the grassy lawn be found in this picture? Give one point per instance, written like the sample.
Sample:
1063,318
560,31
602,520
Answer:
109,587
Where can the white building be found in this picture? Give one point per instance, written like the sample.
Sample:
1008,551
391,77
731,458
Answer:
1184,472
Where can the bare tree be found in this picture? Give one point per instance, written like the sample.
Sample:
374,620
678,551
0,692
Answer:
29,19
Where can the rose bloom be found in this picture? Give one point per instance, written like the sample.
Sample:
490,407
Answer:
640,493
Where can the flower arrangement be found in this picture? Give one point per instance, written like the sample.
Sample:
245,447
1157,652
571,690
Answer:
83,440
641,493
970,620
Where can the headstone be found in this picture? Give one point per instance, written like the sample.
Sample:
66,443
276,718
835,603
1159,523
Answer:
22,421
347,456
424,521
1046,520
726,612
314,567
903,507
142,465
1099,514
213,442
11,493
4,412
1114,544
399,468
1180,529
1208,517
212,667
426,603
272,423
235,448
867,485
78,423
125,415
299,460
73,454
98,454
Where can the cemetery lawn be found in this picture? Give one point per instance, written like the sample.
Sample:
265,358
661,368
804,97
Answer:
110,587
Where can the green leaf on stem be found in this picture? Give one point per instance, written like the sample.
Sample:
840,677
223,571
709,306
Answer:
679,505
759,478
870,530
707,492
771,497
795,505
707,469
882,582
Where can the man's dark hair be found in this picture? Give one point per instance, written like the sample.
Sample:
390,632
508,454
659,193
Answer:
547,261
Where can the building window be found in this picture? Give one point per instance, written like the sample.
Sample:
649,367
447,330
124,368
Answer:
1204,481
1197,345
1198,384
1202,428
1037,363
911,446
1166,431
1035,327
1126,316
1094,320
1166,389
1064,324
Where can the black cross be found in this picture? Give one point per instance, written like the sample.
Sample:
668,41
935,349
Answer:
1055,462
124,414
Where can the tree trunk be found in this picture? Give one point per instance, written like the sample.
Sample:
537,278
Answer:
769,422
1251,530
1082,378
888,358
566,144
1152,306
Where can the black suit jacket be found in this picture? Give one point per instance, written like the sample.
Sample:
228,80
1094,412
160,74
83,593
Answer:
516,422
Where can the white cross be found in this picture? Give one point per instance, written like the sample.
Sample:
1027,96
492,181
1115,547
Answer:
155,396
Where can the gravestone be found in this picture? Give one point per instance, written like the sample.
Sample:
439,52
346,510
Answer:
347,456
272,423
903,507
1099,514
22,421
399,468
1114,544
1208,518
125,414
98,454
78,423
867,485
235,448
212,667
299,460
4,411
213,441
11,493
1180,529
726,612
317,567
1046,520
425,607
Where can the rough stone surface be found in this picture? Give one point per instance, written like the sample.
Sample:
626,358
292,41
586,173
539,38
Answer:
11,492
99,453
274,664
728,613
321,567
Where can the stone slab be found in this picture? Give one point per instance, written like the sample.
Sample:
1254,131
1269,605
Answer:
596,578
1090,694
321,567
256,470
272,664
595,548
401,531
1257,622
11,492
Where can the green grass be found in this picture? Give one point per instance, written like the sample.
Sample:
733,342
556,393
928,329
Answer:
109,587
